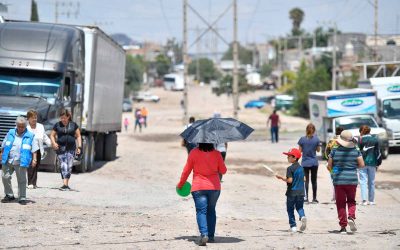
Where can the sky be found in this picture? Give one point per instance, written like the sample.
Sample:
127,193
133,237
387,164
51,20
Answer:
258,20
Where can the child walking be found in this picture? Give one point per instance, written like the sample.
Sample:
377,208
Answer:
295,189
126,123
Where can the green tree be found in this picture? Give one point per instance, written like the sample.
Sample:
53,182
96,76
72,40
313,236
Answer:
134,69
245,55
206,69
266,69
225,85
34,11
297,16
176,48
309,80
163,65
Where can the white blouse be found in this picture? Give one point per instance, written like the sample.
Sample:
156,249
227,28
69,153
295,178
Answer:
40,136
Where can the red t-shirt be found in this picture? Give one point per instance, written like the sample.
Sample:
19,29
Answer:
274,120
206,166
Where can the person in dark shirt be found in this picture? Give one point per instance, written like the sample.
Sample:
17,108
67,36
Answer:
275,123
64,137
295,189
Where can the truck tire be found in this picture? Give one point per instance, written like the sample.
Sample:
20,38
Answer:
87,161
82,167
385,152
110,147
99,147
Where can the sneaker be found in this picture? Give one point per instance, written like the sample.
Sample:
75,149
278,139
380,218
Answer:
22,202
68,188
31,186
34,186
293,229
7,199
211,239
352,224
372,203
303,224
203,240
364,203
343,230
315,201
64,187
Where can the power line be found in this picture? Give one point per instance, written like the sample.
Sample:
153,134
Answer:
165,17
252,18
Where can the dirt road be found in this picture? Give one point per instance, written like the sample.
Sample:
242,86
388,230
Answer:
131,203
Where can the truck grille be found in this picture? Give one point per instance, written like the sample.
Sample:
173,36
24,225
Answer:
7,122
396,136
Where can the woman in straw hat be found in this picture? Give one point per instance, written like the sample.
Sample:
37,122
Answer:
343,162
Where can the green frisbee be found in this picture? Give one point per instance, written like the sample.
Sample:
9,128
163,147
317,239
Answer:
185,190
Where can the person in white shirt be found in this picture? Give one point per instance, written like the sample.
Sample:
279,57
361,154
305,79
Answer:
40,137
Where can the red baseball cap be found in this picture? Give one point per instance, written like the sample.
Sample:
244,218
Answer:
293,152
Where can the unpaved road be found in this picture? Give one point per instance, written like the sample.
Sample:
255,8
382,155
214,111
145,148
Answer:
131,203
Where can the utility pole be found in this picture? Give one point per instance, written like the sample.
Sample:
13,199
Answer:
185,63
198,56
334,58
235,86
314,49
376,30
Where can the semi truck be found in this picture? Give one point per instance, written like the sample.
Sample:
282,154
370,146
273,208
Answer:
388,93
349,109
47,67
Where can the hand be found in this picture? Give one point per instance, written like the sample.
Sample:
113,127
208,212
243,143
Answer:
78,151
55,146
179,186
34,163
278,177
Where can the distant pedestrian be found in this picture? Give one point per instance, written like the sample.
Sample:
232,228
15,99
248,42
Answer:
145,113
309,145
126,123
369,147
206,164
343,162
66,140
188,145
18,151
295,189
40,137
275,122
332,144
138,120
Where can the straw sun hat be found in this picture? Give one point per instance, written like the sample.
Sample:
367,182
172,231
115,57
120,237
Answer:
346,139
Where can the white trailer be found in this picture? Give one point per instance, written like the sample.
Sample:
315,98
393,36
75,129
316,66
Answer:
174,82
348,109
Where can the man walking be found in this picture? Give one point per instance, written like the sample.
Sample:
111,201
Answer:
275,124
18,151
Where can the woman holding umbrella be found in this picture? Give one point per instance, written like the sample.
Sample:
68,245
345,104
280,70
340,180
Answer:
206,164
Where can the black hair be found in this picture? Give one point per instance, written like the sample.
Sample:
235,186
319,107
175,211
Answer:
191,119
206,147
338,130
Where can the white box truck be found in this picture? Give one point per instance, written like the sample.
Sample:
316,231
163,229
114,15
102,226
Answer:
349,109
174,81
388,92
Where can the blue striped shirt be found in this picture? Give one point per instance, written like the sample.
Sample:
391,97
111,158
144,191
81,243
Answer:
345,165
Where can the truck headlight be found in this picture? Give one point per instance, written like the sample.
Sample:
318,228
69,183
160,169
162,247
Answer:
383,135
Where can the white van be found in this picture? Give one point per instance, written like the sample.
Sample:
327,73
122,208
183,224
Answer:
174,82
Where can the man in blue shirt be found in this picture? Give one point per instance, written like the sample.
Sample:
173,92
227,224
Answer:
18,151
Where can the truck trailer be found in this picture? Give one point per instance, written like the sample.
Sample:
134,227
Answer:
47,67
349,109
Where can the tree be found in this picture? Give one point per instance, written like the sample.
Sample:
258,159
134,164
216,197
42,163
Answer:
245,55
206,69
266,69
176,49
163,65
134,69
297,16
34,11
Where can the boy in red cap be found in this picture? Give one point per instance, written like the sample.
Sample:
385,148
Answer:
295,189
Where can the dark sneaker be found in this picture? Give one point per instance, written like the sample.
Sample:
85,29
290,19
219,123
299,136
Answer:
22,202
315,201
7,199
343,230
352,225
64,187
211,240
67,188
203,240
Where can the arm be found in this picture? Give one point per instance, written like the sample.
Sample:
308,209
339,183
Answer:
34,159
221,165
318,148
285,179
330,164
53,140
360,162
79,139
186,172
45,138
301,149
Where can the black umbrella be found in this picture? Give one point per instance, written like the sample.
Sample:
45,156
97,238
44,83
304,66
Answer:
216,130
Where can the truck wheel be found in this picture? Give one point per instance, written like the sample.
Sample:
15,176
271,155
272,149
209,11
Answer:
385,152
99,147
87,161
82,167
110,146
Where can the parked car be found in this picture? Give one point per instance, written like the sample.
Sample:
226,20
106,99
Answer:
126,105
267,99
146,97
254,104
283,102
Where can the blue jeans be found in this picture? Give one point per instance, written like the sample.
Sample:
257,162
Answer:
274,134
205,202
367,176
293,202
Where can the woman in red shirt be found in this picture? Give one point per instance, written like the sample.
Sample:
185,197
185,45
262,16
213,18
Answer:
207,164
